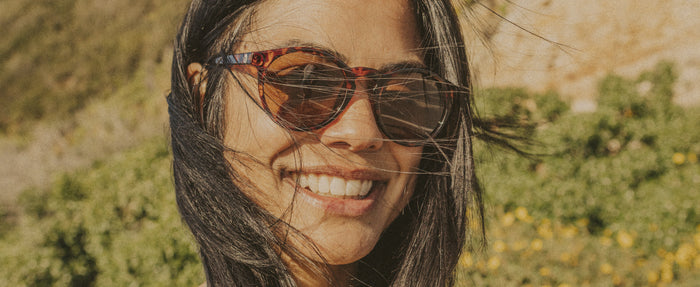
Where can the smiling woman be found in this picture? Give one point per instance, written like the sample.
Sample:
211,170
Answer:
324,142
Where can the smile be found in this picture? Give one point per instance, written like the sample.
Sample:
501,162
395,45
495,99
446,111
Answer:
336,190
334,186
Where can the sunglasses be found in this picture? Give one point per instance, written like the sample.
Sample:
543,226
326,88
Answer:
305,89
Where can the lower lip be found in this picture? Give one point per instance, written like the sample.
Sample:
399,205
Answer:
338,206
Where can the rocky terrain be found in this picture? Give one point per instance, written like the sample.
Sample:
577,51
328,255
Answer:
568,45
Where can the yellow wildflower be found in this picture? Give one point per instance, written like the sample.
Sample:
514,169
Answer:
666,273
617,280
499,246
546,221
678,158
640,262
606,241
669,258
653,277
607,232
625,239
606,268
466,261
569,231
537,244
685,254
545,271
545,230
508,219
566,257
519,245
522,214
493,263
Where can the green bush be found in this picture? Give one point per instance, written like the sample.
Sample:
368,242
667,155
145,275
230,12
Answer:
626,172
613,201
115,224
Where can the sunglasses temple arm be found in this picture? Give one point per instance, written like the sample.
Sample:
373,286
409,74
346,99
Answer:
236,59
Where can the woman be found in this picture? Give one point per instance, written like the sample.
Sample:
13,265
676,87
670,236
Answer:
324,142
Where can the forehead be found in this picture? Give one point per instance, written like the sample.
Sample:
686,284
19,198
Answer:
366,32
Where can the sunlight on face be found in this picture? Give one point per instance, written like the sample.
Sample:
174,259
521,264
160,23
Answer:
353,181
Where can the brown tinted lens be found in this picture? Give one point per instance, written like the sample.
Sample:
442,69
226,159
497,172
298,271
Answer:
411,106
303,90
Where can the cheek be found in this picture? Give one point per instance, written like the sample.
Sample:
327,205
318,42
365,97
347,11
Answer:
256,142
250,130
408,158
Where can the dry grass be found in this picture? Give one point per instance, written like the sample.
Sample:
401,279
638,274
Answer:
81,80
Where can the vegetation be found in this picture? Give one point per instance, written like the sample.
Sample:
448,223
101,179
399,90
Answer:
75,51
115,224
612,202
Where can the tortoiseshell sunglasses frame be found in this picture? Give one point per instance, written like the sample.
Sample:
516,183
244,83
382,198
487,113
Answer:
261,60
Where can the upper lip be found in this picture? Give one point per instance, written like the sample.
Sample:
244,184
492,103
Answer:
347,173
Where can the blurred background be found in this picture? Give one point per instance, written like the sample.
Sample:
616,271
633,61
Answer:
608,90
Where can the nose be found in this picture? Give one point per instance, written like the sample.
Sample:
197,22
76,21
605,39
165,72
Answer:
355,128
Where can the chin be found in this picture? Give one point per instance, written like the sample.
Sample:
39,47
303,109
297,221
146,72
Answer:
348,256
343,244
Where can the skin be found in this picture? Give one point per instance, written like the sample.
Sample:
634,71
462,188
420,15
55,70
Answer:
367,33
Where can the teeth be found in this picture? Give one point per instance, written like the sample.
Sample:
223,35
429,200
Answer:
366,186
312,180
353,185
324,184
336,186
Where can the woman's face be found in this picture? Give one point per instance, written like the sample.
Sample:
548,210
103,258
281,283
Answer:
344,157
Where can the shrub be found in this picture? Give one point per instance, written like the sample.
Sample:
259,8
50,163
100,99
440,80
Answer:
115,224
621,179
612,202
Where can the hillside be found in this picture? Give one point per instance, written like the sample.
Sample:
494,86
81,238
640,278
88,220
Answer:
611,90
568,45
80,79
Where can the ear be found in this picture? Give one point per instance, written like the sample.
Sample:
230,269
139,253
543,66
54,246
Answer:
196,76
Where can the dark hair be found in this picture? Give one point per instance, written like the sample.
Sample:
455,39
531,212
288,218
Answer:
237,244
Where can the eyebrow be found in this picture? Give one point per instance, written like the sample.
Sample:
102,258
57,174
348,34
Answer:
384,68
299,43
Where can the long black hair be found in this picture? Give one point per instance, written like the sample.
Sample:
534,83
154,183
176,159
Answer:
237,241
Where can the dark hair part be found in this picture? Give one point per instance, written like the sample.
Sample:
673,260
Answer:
237,244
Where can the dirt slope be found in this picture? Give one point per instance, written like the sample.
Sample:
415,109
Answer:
596,37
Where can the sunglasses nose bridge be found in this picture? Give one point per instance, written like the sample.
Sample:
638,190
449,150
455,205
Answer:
363,75
362,71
